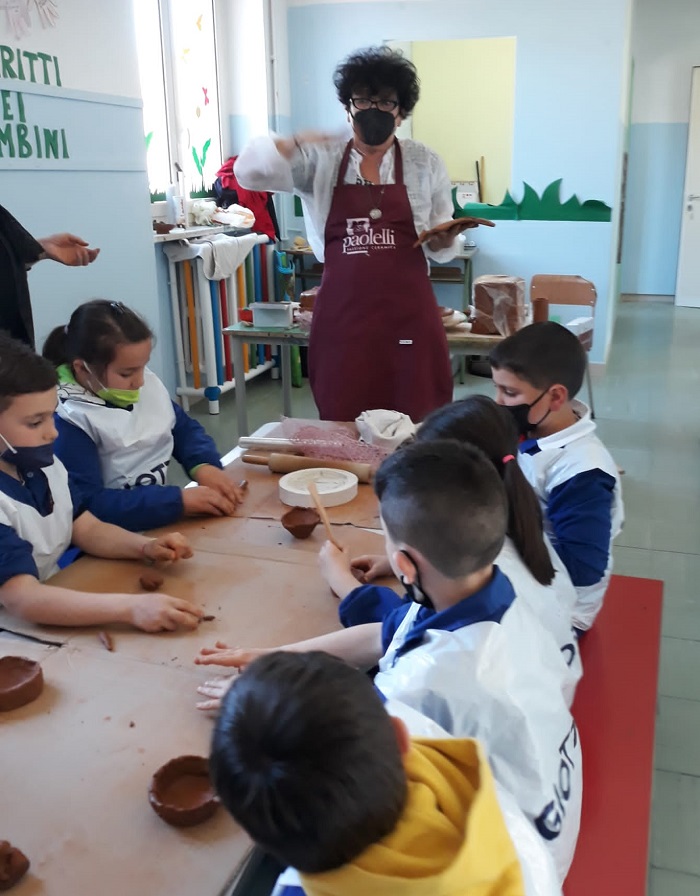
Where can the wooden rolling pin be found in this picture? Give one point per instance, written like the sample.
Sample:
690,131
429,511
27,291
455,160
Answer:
287,463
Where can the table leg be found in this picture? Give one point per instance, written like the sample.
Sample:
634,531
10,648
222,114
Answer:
239,377
285,360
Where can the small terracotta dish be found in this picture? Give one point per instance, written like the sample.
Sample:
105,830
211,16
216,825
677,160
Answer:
300,521
13,865
21,681
181,792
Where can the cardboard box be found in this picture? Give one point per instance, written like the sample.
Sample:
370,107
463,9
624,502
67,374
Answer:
499,305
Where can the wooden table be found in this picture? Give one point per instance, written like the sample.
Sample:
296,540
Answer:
459,343
77,762
439,273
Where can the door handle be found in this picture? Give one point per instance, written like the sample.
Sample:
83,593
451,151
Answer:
693,196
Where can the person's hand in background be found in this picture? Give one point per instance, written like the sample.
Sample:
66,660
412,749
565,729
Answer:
68,249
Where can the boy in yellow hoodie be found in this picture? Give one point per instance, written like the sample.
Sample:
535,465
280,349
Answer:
306,759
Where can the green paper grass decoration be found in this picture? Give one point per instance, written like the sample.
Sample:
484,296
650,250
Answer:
532,207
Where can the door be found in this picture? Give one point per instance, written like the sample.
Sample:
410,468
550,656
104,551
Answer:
688,278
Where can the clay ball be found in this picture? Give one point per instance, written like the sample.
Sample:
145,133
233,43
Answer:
181,792
300,521
21,681
151,581
13,865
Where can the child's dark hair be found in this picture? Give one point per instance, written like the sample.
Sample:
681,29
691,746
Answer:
543,354
95,330
306,759
22,371
447,500
376,69
479,421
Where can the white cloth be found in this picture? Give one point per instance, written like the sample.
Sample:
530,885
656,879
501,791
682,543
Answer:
48,535
500,682
135,446
220,254
235,215
386,429
561,456
552,605
312,174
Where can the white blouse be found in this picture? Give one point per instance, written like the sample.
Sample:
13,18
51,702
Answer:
312,173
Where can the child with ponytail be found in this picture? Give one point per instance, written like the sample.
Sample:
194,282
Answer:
527,558
118,427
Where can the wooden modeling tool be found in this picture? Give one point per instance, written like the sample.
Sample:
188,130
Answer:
321,510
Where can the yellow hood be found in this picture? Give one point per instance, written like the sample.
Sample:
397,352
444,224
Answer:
450,841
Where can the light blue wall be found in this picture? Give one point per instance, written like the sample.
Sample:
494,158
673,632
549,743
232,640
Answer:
655,175
665,47
99,193
570,66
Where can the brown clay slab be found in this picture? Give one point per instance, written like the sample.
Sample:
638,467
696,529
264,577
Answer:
257,601
239,535
99,798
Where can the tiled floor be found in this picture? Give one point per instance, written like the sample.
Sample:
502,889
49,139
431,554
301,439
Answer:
648,415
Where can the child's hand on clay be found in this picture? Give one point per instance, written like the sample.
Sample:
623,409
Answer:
167,548
214,690
162,613
372,566
204,501
223,655
335,569
216,479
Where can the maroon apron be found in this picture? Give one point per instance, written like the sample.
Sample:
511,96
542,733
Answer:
377,340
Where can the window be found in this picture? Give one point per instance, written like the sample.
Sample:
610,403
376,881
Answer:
176,42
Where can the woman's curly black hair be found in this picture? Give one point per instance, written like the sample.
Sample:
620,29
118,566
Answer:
376,69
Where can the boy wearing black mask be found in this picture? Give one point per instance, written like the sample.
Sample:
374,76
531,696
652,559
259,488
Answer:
537,373
463,650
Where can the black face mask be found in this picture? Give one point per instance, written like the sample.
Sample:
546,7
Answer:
521,412
415,589
374,127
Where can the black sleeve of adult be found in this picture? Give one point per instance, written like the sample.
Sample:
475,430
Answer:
26,249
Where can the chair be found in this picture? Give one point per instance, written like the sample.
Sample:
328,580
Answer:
559,289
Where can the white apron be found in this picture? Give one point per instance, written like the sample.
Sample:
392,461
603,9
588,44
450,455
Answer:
48,535
501,683
563,455
553,606
135,446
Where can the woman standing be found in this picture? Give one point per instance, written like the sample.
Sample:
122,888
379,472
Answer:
377,340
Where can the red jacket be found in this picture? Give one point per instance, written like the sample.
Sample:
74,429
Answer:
258,201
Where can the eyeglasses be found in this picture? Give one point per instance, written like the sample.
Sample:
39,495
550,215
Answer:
362,103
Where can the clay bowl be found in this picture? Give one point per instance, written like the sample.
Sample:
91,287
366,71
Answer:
162,228
13,865
300,521
21,681
181,792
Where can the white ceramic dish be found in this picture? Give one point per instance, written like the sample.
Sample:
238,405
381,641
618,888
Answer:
334,487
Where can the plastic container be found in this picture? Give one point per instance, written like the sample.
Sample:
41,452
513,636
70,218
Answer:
272,314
